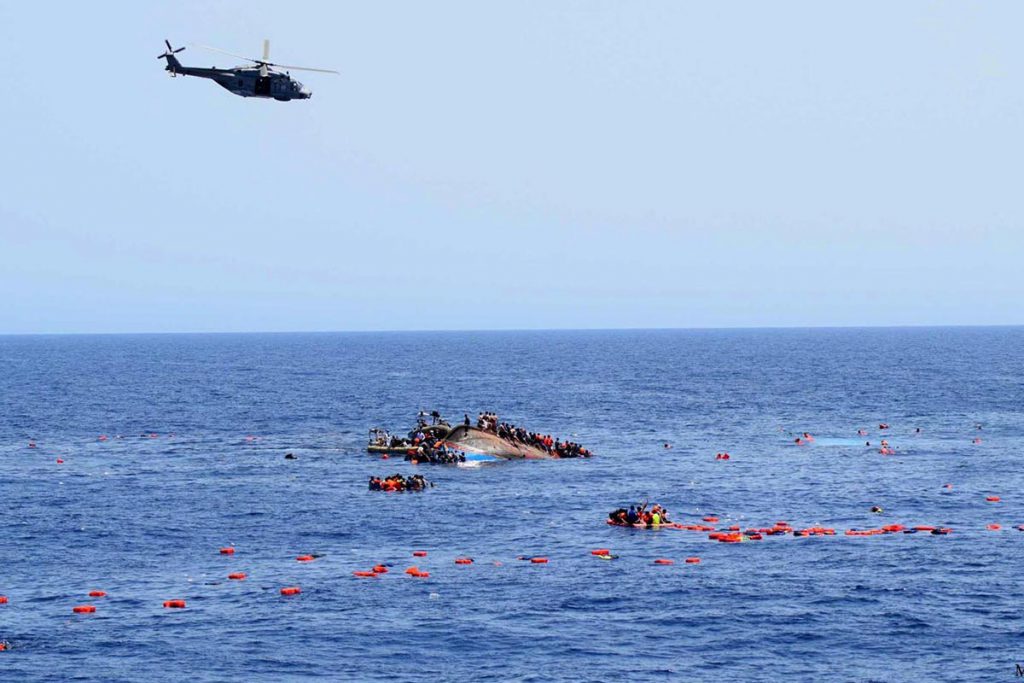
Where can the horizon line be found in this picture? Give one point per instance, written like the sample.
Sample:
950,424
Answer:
519,329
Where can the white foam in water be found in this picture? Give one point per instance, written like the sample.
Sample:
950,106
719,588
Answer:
840,441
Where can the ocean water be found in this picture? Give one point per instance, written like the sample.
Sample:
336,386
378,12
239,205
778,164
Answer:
143,517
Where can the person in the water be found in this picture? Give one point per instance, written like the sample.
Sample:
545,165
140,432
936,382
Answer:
619,516
632,517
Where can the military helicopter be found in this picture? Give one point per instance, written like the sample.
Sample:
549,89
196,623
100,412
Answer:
248,81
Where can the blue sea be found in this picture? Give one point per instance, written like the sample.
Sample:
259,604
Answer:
143,517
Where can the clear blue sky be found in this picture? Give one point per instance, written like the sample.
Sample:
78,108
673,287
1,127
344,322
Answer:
513,165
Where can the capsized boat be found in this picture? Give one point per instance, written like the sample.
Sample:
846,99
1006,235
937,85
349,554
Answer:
480,443
476,441
477,444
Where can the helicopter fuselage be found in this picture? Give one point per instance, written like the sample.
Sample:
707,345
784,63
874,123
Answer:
248,82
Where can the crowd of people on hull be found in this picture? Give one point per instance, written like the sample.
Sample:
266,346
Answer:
396,482
639,514
517,435
426,443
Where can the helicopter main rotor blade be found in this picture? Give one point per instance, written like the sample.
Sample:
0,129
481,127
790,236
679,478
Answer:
305,68
230,54
263,62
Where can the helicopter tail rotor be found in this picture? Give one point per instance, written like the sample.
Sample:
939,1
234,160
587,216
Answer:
170,50
172,62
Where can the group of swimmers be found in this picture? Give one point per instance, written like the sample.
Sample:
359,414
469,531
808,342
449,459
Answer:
639,514
396,482
545,442
885,449
428,449
806,439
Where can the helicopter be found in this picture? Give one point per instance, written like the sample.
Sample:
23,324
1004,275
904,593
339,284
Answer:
246,81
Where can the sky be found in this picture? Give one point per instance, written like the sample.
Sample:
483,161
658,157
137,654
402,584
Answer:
516,165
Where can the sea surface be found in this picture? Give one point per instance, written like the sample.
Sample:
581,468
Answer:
198,426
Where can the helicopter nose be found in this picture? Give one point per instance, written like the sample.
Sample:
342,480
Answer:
306,93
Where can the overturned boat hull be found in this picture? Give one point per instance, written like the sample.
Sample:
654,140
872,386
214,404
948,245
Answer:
478,442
